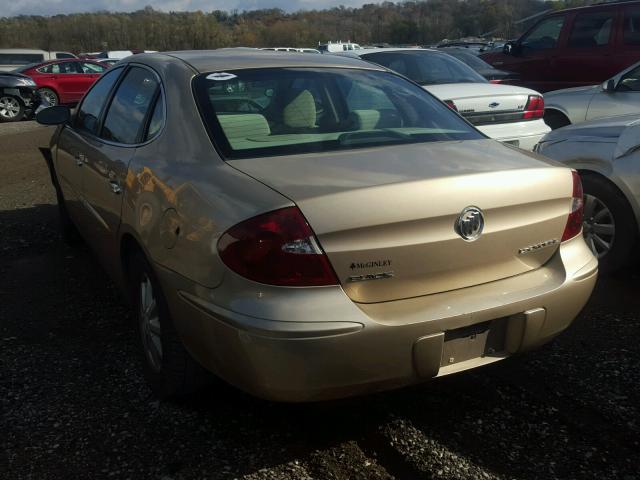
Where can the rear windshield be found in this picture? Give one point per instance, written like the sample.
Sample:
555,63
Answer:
426,67
287,111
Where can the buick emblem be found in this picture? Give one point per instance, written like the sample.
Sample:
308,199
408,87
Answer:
470,223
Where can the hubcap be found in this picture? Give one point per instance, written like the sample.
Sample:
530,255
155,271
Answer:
9,107
598,225
150,324
50,97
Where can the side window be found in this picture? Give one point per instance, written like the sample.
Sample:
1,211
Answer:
545,35
156,120
591,30
632,27
630,82
125,118
89,111
64,55
91,68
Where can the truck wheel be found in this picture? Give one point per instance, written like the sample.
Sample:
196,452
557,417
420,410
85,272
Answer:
11,108
609,226
49,95
168,368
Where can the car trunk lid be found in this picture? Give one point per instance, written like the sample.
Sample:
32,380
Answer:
385,217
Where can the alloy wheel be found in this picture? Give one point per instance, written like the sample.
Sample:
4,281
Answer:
9,107
599,226
50,97
150,329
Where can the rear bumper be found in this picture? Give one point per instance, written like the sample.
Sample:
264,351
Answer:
365,348
524,135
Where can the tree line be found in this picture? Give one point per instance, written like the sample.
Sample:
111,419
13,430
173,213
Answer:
408,22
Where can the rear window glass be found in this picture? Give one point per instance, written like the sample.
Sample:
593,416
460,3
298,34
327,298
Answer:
426,68
286,111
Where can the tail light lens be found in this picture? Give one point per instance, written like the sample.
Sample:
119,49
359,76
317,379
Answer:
277,248
451,105
574,222
496,80
534,108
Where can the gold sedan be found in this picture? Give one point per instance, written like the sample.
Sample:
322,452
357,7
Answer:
311,226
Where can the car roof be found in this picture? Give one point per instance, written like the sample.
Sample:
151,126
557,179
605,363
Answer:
595,6
366,51
244,58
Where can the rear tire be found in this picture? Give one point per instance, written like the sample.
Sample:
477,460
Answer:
168,368
610,228
555,119
11,108
50,96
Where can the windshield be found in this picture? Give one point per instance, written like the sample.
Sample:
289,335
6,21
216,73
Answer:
284,111
426,67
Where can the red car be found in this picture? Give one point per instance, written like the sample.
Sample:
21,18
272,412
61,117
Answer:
574,47
64,81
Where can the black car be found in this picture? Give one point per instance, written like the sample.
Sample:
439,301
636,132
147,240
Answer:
18,97
483,68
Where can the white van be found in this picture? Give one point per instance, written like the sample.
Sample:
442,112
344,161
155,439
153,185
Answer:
12,58
334,47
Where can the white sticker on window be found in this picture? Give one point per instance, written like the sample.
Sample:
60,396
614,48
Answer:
220,76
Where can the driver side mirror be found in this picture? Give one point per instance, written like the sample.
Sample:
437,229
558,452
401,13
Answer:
609,86
510,48
57,115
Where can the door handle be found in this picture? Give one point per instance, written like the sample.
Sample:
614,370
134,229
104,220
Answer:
81,159
115,187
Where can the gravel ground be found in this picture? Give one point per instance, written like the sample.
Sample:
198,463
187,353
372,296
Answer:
74,405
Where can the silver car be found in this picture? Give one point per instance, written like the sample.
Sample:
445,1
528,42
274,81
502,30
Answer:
619,95
606,153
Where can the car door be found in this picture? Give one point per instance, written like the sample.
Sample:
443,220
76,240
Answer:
122,130
590,39
625,99
66,75
72,147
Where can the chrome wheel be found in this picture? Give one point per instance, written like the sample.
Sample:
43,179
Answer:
50,97
599,226
150,324
9,107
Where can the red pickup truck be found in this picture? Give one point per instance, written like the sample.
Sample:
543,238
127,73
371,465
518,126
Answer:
573,47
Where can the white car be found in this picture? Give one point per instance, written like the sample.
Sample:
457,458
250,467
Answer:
619,95
506,113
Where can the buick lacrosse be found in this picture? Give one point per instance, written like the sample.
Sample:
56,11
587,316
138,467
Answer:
311,226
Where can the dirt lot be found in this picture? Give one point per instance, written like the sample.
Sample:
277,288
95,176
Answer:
74,405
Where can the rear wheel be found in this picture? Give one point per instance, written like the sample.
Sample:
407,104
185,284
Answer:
609,225
555,119
50,96
11,108
168,368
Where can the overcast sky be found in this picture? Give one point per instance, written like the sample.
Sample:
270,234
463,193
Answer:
53,7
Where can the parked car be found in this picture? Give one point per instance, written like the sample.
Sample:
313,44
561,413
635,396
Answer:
605,152
313,226
574,47
12,58
507,113
64,81
619,95
18,97
483,68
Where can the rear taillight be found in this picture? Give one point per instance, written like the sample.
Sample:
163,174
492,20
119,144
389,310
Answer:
451,105
496,80
574,222
277,248
534,108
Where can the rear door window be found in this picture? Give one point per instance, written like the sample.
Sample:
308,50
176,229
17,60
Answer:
545,35
591,30
59,68
88,115
632,27
125,119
